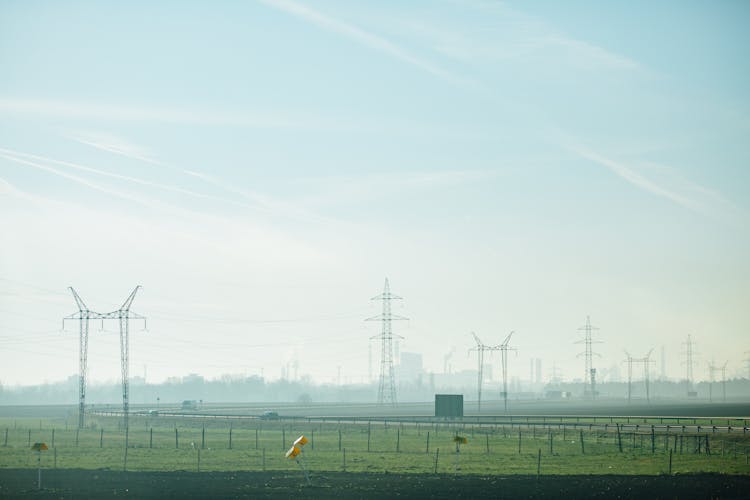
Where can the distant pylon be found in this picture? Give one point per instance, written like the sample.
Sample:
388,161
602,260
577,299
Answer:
83,316
589,385
646,360
712,369
689,354
387,386
480,348
504,348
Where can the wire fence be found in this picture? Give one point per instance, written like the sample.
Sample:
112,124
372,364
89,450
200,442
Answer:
210,444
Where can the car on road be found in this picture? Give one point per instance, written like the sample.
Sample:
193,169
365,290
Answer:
269,415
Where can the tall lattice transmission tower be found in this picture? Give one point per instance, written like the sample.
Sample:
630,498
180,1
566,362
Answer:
504,348
589,387
123,315
387,386
646,360
83,316
689,362
480,348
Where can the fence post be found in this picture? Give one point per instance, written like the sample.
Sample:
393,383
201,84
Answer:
101,438
519,440
203,437
344,459
428,442
312,439
29,437
368,437
550,442
487,437
670,462
398,439
176,438
151,437
230,436
283,438
53,437
256,438
619,438
339,439
583,451
264,459
538,463
653,440
77,436
437,456
6,437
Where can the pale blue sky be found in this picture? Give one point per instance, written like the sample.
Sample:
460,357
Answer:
508,165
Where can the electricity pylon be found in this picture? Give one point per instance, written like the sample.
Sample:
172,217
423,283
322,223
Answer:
689,364
646,360
504,348
387,386
124,315
630,359
712,369
83,316
480,348
589,386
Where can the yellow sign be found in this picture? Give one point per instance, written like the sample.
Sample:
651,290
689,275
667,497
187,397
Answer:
300,441
460,440
39,447
293,452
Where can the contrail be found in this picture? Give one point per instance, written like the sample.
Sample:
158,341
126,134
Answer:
113,175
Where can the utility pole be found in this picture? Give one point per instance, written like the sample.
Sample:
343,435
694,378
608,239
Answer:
480,348
724,381
387,386
504,348
689,364
83,316
589,386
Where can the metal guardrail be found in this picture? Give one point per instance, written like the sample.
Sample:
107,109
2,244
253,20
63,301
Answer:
666,423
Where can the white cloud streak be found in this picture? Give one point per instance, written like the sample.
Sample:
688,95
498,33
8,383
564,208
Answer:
365,38
638,180
105,112
83,181
505,34
14,154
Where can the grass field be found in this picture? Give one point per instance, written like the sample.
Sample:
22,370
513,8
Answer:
164,444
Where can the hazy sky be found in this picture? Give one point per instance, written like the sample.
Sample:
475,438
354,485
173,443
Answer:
261,167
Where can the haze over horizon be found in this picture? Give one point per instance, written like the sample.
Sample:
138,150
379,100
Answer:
260,168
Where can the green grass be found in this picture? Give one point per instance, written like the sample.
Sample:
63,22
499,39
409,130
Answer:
398,448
